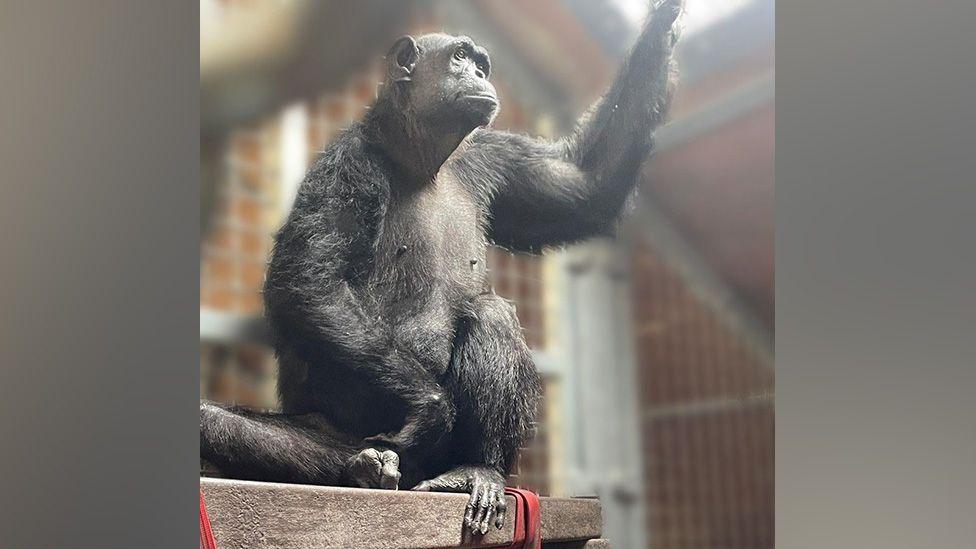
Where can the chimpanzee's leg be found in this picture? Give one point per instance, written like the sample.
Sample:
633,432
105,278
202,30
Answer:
290,448
496,390
406,410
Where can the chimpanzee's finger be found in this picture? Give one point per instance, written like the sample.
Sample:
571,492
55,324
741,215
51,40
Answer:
469,509
482,505
491,500
667,11
500,509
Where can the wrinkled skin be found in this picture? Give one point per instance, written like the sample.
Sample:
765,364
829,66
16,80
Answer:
374,469
485,507
399,366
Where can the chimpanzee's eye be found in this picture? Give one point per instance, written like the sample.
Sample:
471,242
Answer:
460,54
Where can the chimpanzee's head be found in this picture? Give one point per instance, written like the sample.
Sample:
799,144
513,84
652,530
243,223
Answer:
443,80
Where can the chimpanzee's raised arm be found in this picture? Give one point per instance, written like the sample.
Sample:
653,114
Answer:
544,193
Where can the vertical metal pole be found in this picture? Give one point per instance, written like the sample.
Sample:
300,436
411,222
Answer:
601,387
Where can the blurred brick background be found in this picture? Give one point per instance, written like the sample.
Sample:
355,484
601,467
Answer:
706,419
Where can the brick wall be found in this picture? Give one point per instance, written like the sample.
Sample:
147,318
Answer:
707,418
235,252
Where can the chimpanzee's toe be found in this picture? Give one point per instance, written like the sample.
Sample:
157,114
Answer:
390,471
373,468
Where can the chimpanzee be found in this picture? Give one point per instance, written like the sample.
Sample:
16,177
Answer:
399,366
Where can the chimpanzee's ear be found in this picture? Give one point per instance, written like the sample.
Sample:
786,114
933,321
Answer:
402,59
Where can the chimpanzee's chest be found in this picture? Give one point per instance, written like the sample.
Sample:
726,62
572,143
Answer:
432,246
430,259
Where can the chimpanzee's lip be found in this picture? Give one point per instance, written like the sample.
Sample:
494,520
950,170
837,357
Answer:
481,97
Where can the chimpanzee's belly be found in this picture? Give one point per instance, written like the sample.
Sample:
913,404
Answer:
430,259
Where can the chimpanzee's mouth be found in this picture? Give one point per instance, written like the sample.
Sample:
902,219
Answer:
481,97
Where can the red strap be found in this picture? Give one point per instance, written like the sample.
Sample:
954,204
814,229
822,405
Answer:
206,532
527,519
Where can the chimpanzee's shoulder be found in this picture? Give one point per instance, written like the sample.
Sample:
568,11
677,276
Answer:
348,167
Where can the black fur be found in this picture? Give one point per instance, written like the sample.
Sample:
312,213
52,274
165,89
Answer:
386,330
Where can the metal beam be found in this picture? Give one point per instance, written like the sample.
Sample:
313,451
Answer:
729,107
708,406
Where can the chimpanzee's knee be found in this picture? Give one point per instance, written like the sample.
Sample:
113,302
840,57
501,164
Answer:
437,407
490,345
493,313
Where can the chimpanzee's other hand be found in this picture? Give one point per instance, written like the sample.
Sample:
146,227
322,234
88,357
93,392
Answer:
487,489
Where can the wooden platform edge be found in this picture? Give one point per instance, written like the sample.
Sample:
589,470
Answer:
247,514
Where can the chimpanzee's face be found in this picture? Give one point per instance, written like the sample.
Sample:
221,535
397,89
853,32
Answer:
449,83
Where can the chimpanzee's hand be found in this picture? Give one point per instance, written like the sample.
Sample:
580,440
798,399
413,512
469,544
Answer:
668,10
487,489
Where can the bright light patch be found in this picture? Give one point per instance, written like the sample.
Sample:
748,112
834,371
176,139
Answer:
698,15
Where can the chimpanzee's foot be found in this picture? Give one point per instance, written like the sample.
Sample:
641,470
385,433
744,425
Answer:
487,489
373,468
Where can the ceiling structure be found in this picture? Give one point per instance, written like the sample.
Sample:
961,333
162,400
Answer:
713,174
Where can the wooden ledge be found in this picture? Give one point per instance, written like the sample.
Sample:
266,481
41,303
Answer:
264,515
